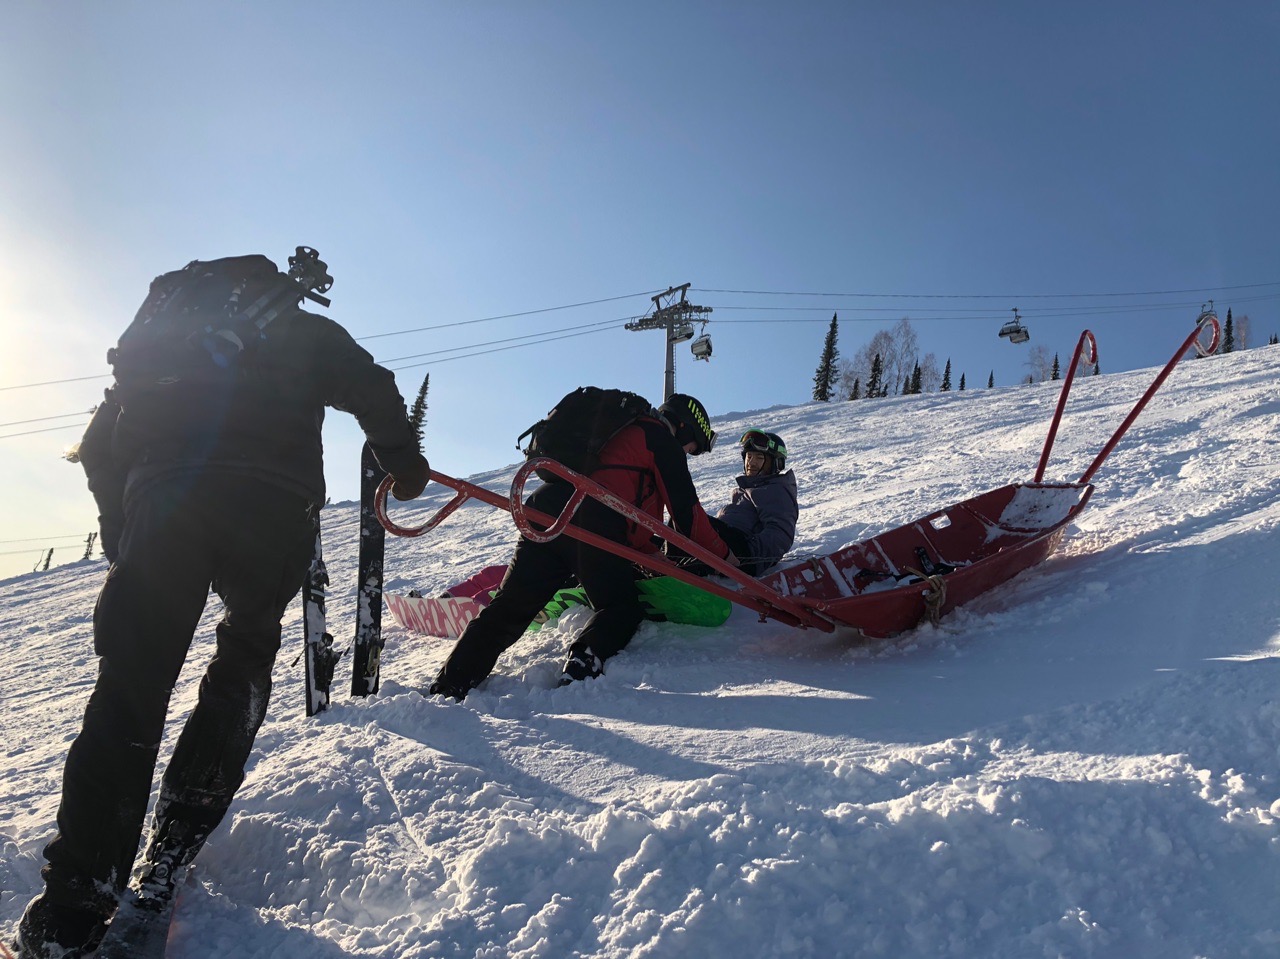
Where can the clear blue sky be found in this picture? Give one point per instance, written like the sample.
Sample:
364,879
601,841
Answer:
460,161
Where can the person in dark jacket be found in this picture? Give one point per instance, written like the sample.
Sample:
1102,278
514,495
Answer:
645,464
759,521
195,490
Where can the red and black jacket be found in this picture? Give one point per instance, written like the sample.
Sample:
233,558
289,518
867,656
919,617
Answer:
645,465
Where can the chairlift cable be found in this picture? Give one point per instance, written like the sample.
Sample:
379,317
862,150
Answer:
992,296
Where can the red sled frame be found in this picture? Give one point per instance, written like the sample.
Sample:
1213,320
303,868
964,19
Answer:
881,586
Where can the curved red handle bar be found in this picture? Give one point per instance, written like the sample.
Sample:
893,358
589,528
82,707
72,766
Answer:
380,507
1207,318
749,592
1086,339
521,515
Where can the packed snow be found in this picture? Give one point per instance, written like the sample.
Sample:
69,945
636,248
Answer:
1084,762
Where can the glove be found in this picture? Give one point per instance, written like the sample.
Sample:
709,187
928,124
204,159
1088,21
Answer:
409,481
109,532
107,487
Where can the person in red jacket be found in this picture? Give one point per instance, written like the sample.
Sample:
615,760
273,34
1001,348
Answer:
644,463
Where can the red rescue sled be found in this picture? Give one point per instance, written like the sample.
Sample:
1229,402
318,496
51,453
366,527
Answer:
880,586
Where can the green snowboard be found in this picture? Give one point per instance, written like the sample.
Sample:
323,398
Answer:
665,599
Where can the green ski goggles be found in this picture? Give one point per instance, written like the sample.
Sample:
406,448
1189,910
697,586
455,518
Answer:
758,441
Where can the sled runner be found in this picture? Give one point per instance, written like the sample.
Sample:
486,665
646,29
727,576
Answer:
881,586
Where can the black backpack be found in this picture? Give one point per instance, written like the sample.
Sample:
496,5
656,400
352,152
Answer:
192,331
579,426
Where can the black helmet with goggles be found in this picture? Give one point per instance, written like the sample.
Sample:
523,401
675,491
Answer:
760,441
689,419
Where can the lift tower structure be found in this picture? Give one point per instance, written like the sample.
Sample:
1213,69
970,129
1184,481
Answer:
677,318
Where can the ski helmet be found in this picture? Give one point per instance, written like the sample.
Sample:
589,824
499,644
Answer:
757,440
692,425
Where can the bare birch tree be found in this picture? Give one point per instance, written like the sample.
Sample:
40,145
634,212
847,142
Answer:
1040,363
897,348
930,378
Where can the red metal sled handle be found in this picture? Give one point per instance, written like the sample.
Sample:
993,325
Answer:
1206,318
521,514
754,595
395,529
1086,338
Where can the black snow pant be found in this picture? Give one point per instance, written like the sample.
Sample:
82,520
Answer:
536,572
252,542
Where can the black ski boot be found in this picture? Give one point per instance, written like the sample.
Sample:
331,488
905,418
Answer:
173,846
48,930
581,664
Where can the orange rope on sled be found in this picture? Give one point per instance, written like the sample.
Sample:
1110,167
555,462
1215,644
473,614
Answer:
934,596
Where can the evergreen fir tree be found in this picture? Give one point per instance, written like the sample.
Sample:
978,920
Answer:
916,385
961,381
418,412
1228,335
946,378
1096,369
856,392
991,380
874,385
1056,374
824,379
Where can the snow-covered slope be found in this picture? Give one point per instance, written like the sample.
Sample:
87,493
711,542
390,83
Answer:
1085,762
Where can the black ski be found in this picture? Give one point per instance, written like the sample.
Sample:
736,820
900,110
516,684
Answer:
318,652
366,657
140,929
